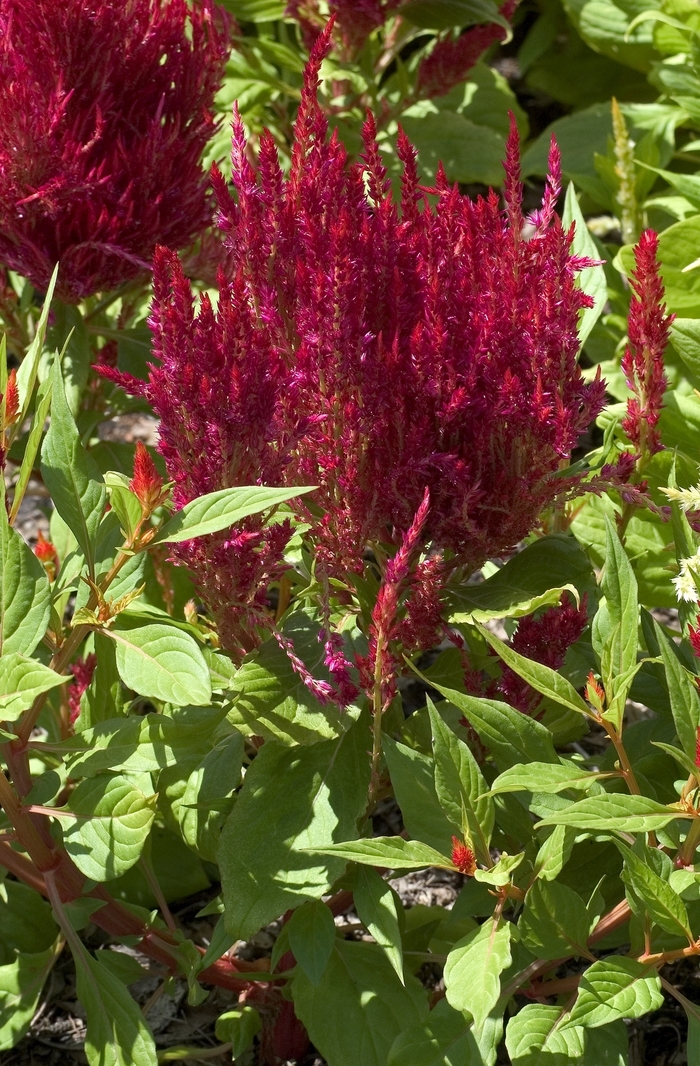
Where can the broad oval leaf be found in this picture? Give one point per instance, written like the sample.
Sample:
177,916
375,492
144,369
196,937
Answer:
117,1032
21,681
111,825
473,970
543,777
311,932
378,908
612,988
533,1038
219,510
161,662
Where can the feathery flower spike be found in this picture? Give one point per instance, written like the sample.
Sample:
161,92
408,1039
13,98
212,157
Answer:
463,857
452,58
374,350
105,112
642,363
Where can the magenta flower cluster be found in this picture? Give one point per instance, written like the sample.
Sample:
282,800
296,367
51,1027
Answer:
105,111
372,348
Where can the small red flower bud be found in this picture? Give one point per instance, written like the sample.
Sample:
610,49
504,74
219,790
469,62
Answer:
463,857
46,554
146,484
11,412
694,638
82,671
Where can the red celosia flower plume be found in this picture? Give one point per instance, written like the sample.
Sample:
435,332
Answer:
103,119
452,58
643,363
374,349
463,857
82,670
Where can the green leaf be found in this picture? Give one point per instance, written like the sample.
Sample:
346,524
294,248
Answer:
534,577
378,908
555,921
683,694
141,744
543,777
555,852
292,799
27,373
685,337
604,26
510,736
461,787
540,677
272,699
356,1013
25,594
311,932
413,779
43,405
394,853
445,1039
213,781
161,662
468,151
256,10
117,1033
628,814
612,988
21,681
113,820
124,503
665,906
219,510
21,983
591,280
501,872
473,970
238,1028
533,1038
71,475
442,14
618,656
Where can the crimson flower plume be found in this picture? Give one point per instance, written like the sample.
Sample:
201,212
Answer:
105,111
373,348
643,363
452,58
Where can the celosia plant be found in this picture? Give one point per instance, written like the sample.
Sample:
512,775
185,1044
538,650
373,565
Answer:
105,113
372,348
416,362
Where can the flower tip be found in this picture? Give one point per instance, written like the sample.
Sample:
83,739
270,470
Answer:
463,857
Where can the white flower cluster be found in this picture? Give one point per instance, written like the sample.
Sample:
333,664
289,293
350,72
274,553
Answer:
687,581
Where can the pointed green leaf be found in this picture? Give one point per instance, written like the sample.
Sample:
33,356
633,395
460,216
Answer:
473,970
543,777
665,906
461,787
238,1028
413,779
618,656
292,799
219,510
446,1038
510,736
21,983
356,1013
27,373
555,852
25,594
394,853
592,279
43,405
630,814
555,921
117,1033
683,694
311,932
71,475
378,908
